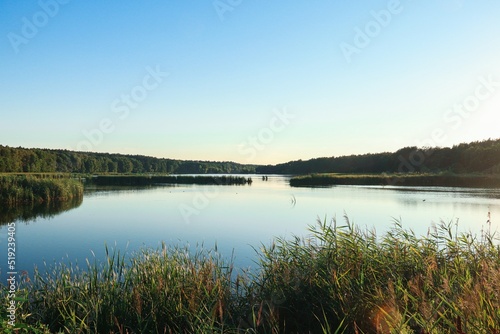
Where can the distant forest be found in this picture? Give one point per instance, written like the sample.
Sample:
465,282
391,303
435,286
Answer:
22,160
475,157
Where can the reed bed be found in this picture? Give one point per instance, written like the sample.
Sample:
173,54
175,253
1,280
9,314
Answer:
154,291
35,189
143,180
345,280
339,279
409,179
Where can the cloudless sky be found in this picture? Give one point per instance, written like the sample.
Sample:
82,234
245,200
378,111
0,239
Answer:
250,81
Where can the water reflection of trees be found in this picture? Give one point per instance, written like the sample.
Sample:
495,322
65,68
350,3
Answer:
29,213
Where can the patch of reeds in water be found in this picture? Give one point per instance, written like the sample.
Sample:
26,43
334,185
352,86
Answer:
29,189
409,179
340,279
143,180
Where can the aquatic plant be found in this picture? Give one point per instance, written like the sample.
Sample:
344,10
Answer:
32,189
143,180
338,279
443,179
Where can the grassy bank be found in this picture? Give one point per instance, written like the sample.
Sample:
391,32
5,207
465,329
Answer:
339,280
442,179
31,189
143,180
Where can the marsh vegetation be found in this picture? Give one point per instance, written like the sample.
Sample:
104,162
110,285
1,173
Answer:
339,279
445,179
145,180
33,189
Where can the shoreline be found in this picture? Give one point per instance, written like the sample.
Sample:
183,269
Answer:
423,180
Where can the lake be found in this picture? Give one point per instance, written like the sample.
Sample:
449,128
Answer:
236,218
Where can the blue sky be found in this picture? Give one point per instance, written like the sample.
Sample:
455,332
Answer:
250,81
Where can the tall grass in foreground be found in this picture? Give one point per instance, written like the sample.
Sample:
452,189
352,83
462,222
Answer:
164,291
32,189
343,279
340,279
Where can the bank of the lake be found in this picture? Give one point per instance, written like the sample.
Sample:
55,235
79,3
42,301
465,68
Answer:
341,279
409,179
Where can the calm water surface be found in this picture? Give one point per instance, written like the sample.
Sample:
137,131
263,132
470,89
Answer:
236,217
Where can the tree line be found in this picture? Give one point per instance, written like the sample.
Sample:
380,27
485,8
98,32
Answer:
475,157
24,160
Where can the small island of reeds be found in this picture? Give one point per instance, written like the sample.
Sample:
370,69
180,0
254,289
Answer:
29,189
398,179
145,180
